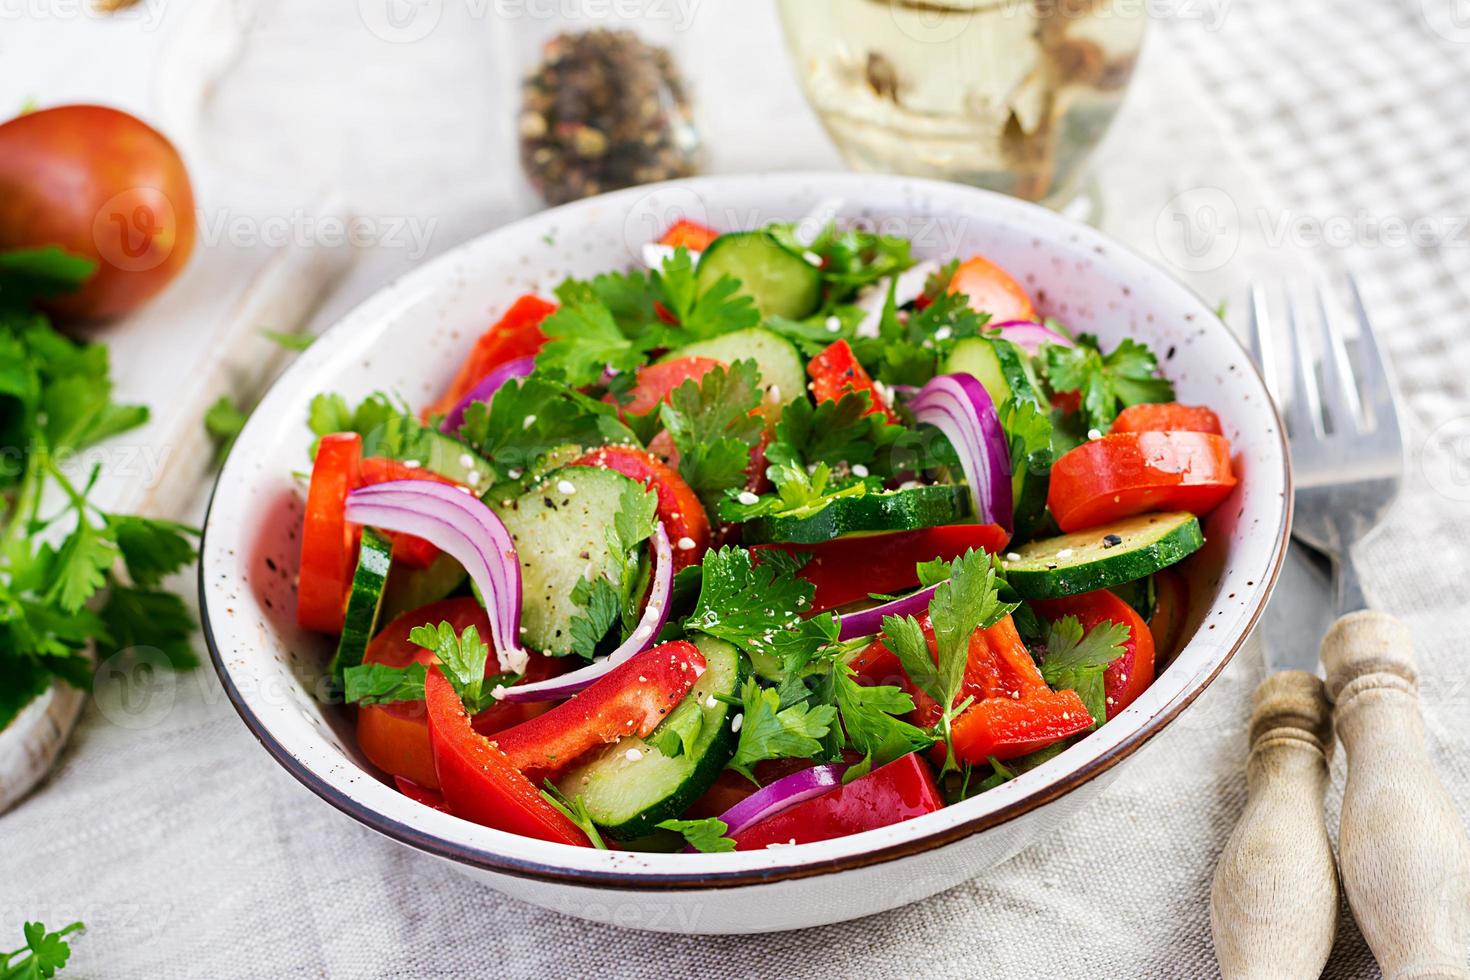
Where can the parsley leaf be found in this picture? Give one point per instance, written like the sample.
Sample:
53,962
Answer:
968,601
768,731
584,340
600,606
712,426
42,956
870,719
150,618
382,684
1076,659
529,417
758,608
575,810
223,422
289,341
28,274
835,431
628,296
719,309
462,660
151,549
1128,375
706,836
850,258
613,593
1029,429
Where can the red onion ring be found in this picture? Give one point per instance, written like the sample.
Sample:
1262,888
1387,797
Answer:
959,406
488,386
462,526
1029,336
783,794
867,622
655,615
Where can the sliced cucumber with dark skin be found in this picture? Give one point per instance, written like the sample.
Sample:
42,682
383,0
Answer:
892,510
1101,557
559,527
630,786
781,282
1140,595
777,358
364,601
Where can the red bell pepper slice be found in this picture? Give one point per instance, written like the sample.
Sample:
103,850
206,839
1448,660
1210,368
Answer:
656,382
690,234
516,334
1167,417
407,549
395,736
836,371
478,781
1131,473
901,790
421,794
992,290
328,542
679,508
1131,674
848,569
631,699
1006,728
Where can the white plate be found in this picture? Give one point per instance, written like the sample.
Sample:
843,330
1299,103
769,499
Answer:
411,337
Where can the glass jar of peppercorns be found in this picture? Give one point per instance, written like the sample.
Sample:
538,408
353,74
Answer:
603,108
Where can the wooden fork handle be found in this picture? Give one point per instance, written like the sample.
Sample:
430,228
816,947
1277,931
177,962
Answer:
1404,854
1273,906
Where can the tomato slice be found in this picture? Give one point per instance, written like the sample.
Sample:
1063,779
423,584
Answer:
992,290
1131,674
690,234
679,508
836,371
1166,417
422,794
478,781
1135,472
901,790
328,542
516,334
631,699
848,569
407,549
395,737
657,381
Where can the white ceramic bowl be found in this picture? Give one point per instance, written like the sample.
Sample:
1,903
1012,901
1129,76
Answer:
411,337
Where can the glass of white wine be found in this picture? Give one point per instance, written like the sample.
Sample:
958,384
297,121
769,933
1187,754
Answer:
1010,95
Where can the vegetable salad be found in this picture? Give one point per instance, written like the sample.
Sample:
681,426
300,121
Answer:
775,539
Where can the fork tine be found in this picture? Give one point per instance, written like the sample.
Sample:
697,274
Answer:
1304,411
1377,387
1263,344
1339,388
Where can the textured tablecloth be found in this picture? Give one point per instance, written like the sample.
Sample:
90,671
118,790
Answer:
190,853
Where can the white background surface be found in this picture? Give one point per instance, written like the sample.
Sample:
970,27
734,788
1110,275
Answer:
189,853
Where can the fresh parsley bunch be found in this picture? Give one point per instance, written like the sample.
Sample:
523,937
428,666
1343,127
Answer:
71,574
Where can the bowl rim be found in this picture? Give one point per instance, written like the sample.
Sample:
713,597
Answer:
632,880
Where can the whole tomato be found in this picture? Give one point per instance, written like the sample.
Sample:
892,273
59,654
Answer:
102,184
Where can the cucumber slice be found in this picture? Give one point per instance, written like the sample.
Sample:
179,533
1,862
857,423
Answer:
779,362
892,510
781,282
410,588
1005,371
400,437
364,601
627,796
560,537
1102,557
1140,595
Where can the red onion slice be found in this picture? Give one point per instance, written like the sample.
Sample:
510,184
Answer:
959,406
1029,336
462,526
870,621
488,386
783,794
655,615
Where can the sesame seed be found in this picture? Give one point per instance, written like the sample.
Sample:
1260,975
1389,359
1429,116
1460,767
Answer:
515,474
566,486
812,258
710,701
685,544
1013,556
833,324
943,333
414,464
530,421
860,471
739,720
633,755
775,393
473,476
1094,434
747,498
1065,553
467,461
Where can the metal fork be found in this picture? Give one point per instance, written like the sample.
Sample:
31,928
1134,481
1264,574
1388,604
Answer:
1403,853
